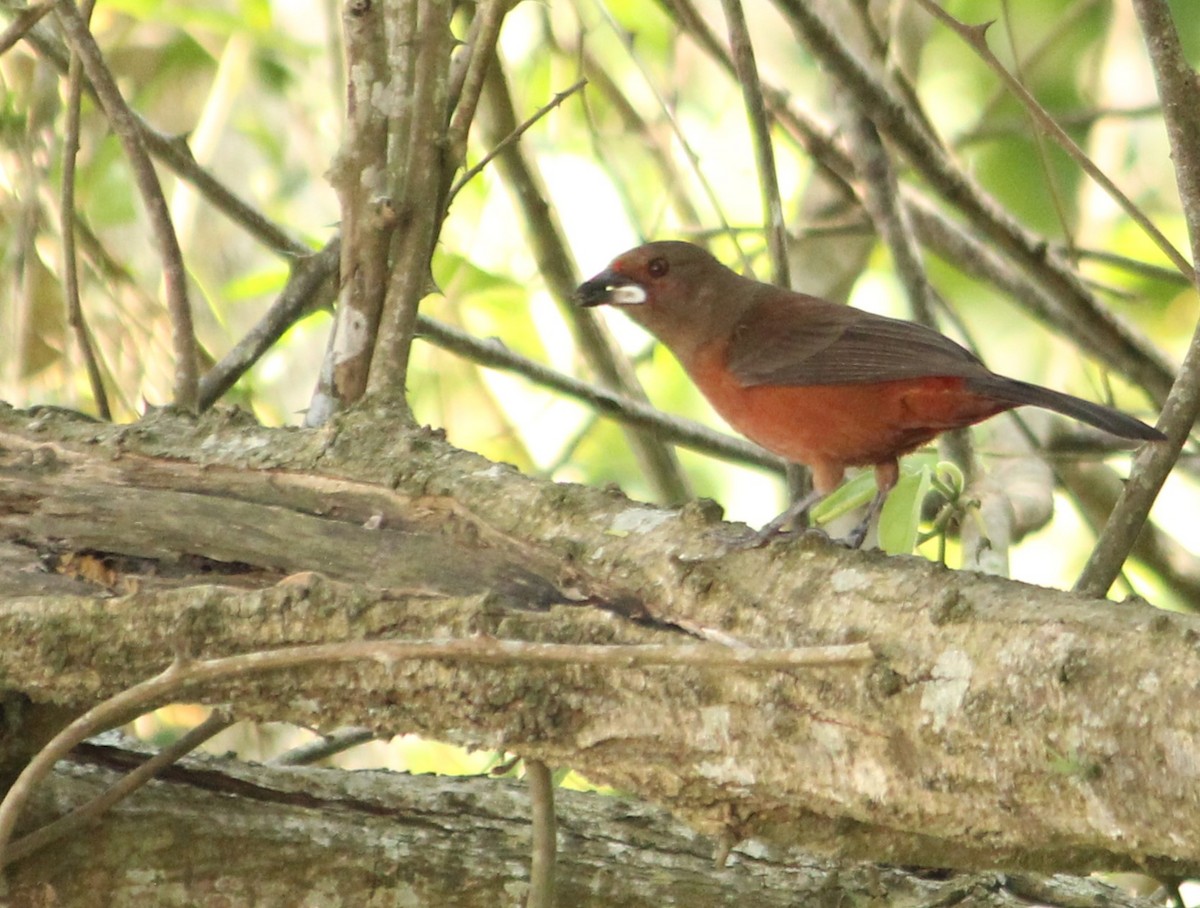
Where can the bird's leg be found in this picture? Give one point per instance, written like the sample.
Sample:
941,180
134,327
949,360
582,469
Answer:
795,510
886,477
857,536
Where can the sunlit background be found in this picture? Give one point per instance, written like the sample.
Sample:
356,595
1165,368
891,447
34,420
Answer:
257,87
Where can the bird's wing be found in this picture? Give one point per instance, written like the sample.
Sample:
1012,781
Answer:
789,339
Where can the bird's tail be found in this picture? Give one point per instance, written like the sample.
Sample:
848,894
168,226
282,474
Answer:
1019,393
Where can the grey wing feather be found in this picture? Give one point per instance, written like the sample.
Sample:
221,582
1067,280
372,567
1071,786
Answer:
823,347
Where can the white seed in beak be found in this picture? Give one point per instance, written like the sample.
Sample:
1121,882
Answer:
627,295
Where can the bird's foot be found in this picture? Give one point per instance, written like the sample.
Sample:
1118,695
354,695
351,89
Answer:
857,536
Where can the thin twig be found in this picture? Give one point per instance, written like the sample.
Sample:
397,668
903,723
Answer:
548,243
1130,265
1078,310
125,125
1077,119
1053,40
514,136
86,814
624,409
481,47
803,129
324,747
173,152
626,38
25,20
760,134
301,294
673,185
545,835
70,151
975,37
1039,140
1176,81
183,676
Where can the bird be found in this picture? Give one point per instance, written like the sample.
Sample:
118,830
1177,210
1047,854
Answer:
815,382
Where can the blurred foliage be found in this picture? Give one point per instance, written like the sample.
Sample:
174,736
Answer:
257,88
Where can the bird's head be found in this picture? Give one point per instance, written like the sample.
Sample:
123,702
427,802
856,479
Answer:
676,291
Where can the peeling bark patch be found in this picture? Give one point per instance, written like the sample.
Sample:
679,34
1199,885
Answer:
947,687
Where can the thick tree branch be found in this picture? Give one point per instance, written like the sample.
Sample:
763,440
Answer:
360,175
902,762
397,838
419,172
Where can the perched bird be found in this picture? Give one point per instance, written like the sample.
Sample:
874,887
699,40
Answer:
817,383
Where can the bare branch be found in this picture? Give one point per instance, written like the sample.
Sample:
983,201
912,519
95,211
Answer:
23,22
304,291
184,676
760,133
481,51
1177,87
418,210
360,176
125,125
558,269
512,137
545,835
87,814
325,746
976,37
627,410
70,149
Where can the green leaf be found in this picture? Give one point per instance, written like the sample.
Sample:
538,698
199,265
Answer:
900,520
845,498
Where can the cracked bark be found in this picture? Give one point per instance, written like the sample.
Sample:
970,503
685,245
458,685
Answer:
1001,725
377,838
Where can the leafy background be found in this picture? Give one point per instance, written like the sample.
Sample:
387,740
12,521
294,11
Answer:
656,146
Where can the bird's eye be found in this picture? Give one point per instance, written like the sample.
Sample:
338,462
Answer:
658,267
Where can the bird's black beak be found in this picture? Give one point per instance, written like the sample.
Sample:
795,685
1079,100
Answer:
610,288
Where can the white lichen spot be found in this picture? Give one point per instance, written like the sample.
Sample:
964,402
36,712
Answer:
753,848
847,580
1098,815
1149,683
714,727
638,520
945,691
243,444
727,772
869,779
495,471
830,739
1182,752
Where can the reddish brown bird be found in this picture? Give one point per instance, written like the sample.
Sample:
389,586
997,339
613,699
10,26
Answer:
817,383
